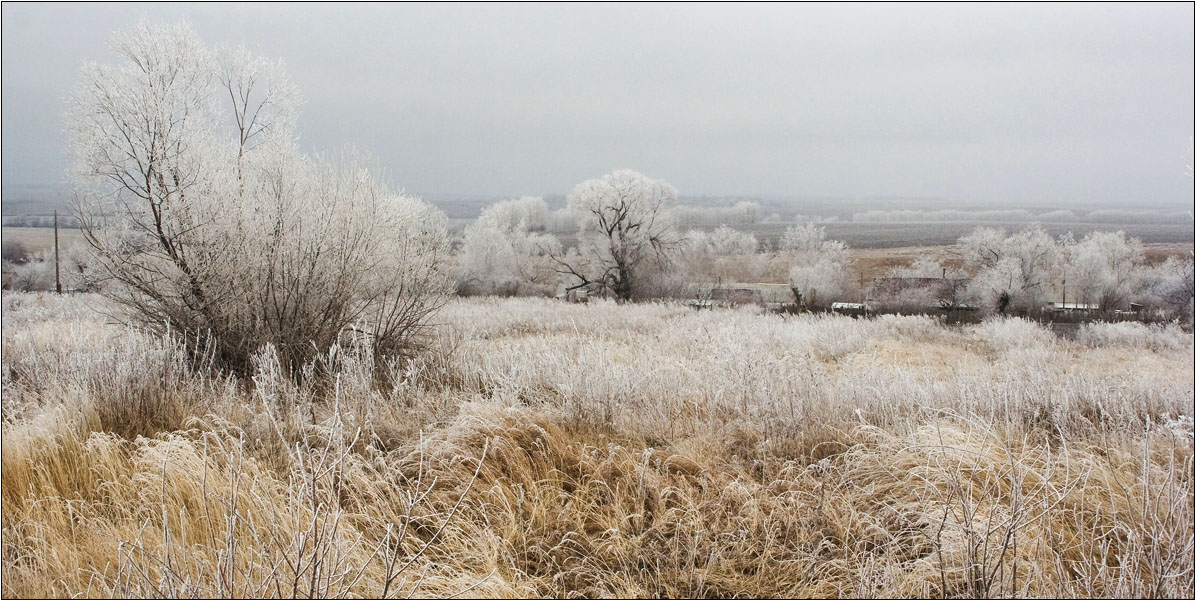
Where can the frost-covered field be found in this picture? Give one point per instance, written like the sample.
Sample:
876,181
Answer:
548,449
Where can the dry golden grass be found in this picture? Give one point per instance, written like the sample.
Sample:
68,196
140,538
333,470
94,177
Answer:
603,450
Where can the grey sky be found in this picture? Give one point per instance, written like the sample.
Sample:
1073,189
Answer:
1001,104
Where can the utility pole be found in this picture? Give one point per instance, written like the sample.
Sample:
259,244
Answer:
57,272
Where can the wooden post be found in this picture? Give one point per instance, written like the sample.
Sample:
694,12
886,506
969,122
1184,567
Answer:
57,272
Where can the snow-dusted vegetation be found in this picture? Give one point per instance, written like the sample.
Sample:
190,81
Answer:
259,383
553,449
507,252
208,222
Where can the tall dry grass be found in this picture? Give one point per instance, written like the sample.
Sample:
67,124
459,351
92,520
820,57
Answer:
603,450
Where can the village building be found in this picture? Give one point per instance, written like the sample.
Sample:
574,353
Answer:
1057,307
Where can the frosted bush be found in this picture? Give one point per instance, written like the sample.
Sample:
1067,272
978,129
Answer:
235,235
914,328
1005,333
1155,337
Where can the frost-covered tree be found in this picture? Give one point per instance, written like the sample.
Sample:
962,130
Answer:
624,234
528,213
210,223
725,241
1104,269
721,254
1169,287
502,252
819,272
1012,272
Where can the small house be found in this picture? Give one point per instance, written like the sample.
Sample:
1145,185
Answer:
1071,307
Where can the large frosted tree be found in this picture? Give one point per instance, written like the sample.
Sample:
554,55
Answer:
819,267
720,255
625,234
1104,269
208,222
1012,272
506,252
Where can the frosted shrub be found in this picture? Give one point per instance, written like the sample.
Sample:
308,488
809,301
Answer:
915,328
1006,333
37,273
1169,287
1168,337
210,222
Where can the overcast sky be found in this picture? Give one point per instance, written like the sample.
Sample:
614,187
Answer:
1000,104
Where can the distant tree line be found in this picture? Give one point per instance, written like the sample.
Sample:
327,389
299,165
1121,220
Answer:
630,247
64,220
1112,216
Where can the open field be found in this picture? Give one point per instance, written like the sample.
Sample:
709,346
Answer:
546,449
37,239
